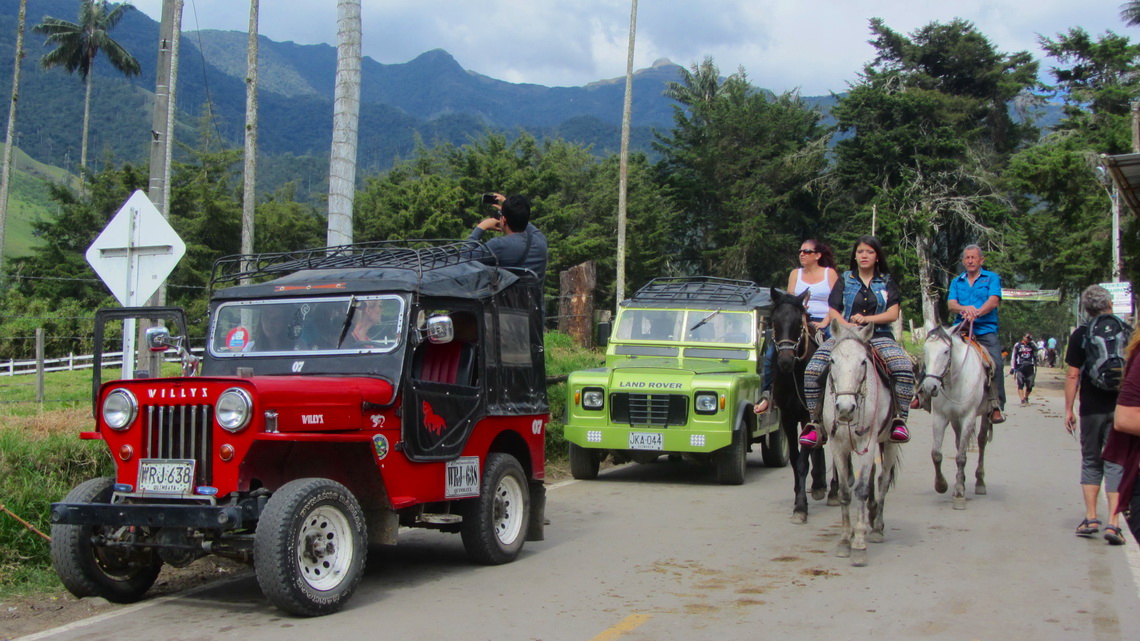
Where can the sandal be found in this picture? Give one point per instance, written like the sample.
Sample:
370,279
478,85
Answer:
1090,526
1113,536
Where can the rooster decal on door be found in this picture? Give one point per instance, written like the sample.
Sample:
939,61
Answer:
432,421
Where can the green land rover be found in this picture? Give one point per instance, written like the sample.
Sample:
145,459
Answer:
681,377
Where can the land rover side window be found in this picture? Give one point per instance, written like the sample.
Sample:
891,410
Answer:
307,326
650,325
719,327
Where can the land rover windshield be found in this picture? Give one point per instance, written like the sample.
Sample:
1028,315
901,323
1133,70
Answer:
308,326
698,326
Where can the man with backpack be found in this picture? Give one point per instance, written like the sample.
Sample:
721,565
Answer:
1096,363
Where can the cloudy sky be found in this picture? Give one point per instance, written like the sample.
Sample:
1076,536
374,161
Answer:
782,44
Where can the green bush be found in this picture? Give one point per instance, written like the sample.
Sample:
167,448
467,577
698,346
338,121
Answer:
562,358
37,468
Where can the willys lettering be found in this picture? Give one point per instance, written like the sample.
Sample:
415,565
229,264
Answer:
176,392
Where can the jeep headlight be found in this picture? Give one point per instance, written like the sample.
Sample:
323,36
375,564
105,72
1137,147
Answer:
593,398
120,409
233,409
706,402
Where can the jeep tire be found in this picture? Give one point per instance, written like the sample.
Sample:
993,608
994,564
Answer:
310,546
120,575
495,523
584,462
730,461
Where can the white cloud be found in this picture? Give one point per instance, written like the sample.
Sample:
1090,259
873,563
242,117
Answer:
817,46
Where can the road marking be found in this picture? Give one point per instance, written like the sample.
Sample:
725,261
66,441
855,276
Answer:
629,624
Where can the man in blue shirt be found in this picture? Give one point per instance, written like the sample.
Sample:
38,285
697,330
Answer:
974,296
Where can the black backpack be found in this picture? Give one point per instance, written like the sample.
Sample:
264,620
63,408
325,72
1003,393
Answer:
1105,339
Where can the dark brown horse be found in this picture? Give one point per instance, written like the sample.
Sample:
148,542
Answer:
795,345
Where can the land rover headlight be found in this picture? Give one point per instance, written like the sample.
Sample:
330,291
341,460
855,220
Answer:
233,409
120,409
706,402
593,398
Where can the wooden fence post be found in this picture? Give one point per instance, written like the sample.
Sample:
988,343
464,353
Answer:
40,367
576,302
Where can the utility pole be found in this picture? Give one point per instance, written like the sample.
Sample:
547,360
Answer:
161,150
346,120
623,163
5,180
249,192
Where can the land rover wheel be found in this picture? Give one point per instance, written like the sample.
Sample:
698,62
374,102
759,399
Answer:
309,547
584,462
730,460
774,448
495,523
118,574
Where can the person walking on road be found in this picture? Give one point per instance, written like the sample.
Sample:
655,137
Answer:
1096,420
1123,445
1024,367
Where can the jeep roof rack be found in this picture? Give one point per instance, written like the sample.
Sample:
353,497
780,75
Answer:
396,254
698,289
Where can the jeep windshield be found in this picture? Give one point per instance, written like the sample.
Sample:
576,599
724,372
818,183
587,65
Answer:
372,324
731,327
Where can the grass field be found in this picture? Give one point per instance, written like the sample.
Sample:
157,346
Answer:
42,457
28,200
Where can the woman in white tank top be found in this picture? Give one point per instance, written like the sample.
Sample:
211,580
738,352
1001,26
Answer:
816,274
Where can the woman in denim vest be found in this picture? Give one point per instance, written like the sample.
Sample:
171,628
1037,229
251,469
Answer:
865,294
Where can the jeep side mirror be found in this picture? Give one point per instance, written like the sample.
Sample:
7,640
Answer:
158,339
604,330
440,329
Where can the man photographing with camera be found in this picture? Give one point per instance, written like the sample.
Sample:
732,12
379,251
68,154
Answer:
521,244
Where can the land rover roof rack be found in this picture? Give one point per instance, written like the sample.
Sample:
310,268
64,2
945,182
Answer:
697,289
416,255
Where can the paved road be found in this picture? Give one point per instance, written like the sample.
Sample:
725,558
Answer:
660,552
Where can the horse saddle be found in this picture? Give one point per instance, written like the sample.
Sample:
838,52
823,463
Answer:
987,360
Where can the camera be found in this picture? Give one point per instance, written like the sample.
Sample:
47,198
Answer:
489,199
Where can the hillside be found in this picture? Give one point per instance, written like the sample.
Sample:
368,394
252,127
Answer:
28,199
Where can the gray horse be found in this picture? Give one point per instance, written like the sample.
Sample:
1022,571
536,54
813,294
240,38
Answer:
955,383
857,407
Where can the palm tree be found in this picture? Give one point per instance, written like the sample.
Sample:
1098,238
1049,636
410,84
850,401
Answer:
346,116
77,44
1130,13
10,136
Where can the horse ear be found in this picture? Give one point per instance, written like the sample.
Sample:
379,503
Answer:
804,297
835,327
865,332
776,294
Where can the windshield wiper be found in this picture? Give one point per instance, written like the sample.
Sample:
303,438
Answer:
347,320
704,320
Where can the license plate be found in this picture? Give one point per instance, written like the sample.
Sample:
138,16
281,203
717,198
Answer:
166,476
646,441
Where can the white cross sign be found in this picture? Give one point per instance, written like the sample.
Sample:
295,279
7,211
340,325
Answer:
136,251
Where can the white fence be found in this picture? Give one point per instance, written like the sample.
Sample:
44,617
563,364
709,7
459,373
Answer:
72,362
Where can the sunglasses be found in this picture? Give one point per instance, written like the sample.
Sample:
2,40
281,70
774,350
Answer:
809,251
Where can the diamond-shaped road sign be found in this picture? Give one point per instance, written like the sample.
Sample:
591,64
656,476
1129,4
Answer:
136,251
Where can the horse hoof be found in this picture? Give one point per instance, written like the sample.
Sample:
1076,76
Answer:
875,537
843,550
858,558
799,518
833,500
817,495
940,486
980,488
959,502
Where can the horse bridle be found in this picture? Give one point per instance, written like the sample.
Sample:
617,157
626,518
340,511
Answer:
941,378
855,393
788,345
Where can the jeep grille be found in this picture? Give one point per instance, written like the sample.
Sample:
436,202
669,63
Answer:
649,409
182,432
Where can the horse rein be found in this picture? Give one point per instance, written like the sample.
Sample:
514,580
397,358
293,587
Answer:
855,393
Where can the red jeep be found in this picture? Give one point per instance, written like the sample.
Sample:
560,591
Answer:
345,392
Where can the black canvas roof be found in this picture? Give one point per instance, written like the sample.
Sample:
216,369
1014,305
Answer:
451,270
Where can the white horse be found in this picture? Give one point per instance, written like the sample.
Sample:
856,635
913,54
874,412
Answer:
955,382
857,407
